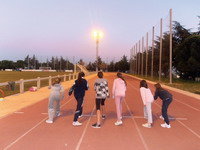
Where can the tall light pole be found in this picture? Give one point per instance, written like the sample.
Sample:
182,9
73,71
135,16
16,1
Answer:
97,36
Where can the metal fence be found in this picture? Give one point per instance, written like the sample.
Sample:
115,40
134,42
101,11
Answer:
146,55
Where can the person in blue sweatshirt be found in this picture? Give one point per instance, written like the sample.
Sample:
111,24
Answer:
166,98
79,88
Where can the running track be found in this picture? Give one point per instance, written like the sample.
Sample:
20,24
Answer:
27,130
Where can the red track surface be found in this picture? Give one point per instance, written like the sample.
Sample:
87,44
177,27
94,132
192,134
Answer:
27,130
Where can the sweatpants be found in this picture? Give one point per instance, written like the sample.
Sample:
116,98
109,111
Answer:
79,108
165,106
118,102
53,106
148,112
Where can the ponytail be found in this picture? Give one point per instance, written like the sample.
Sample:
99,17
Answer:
119,75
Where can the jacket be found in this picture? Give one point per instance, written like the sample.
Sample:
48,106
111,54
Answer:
162,94
119,88
101,88
146,95
80,88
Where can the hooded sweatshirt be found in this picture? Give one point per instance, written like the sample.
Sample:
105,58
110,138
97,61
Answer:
119,88
146,95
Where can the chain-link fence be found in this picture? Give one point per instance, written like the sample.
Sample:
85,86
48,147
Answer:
152,54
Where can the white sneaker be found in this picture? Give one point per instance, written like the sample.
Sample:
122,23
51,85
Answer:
76,123
161,117
146,125
118,123
165,125
49,121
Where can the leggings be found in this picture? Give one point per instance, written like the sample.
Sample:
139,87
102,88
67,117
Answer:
118,102
79,108
165,106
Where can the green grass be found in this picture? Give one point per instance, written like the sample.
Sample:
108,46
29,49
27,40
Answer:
16,75
6,76
186,85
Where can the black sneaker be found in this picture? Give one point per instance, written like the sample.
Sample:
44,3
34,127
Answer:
96,125
103,116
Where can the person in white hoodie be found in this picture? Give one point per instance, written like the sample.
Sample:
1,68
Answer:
118,92
147,98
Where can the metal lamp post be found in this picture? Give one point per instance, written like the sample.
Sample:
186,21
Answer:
97,36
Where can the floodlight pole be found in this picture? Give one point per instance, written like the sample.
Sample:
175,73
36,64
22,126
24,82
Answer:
97,51
170,49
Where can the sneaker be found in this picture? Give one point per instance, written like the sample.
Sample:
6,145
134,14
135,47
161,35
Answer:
161,117
118,123
96,125
103,116
80,116
76,123
59,114
165,125
146,125
49,121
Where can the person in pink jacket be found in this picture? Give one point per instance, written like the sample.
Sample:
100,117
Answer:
118,92
147,99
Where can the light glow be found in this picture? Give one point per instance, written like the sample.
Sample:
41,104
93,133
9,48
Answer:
97,34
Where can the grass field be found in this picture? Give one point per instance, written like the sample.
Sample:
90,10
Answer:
185,85
6,76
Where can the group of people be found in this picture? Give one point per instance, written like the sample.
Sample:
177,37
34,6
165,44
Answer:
80,86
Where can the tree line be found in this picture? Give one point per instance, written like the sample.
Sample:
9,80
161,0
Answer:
185,57
63,64
33,63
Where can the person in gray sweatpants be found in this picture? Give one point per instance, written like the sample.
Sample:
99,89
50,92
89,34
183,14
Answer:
57,93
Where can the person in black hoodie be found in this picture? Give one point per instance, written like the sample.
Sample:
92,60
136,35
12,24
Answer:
79,88
166,98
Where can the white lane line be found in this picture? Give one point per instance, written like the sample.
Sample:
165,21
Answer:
137,128
84,131
196,134
170,118
65,146
186,105
44,113
89,115
196,109
19,138
11,144
18,112
189,129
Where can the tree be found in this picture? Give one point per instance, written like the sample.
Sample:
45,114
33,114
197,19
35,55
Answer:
122,65
188,58
20,64
111,66
6,64
91,66
81,62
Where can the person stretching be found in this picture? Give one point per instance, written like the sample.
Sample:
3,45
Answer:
147,99
166,98
118,92
101,88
